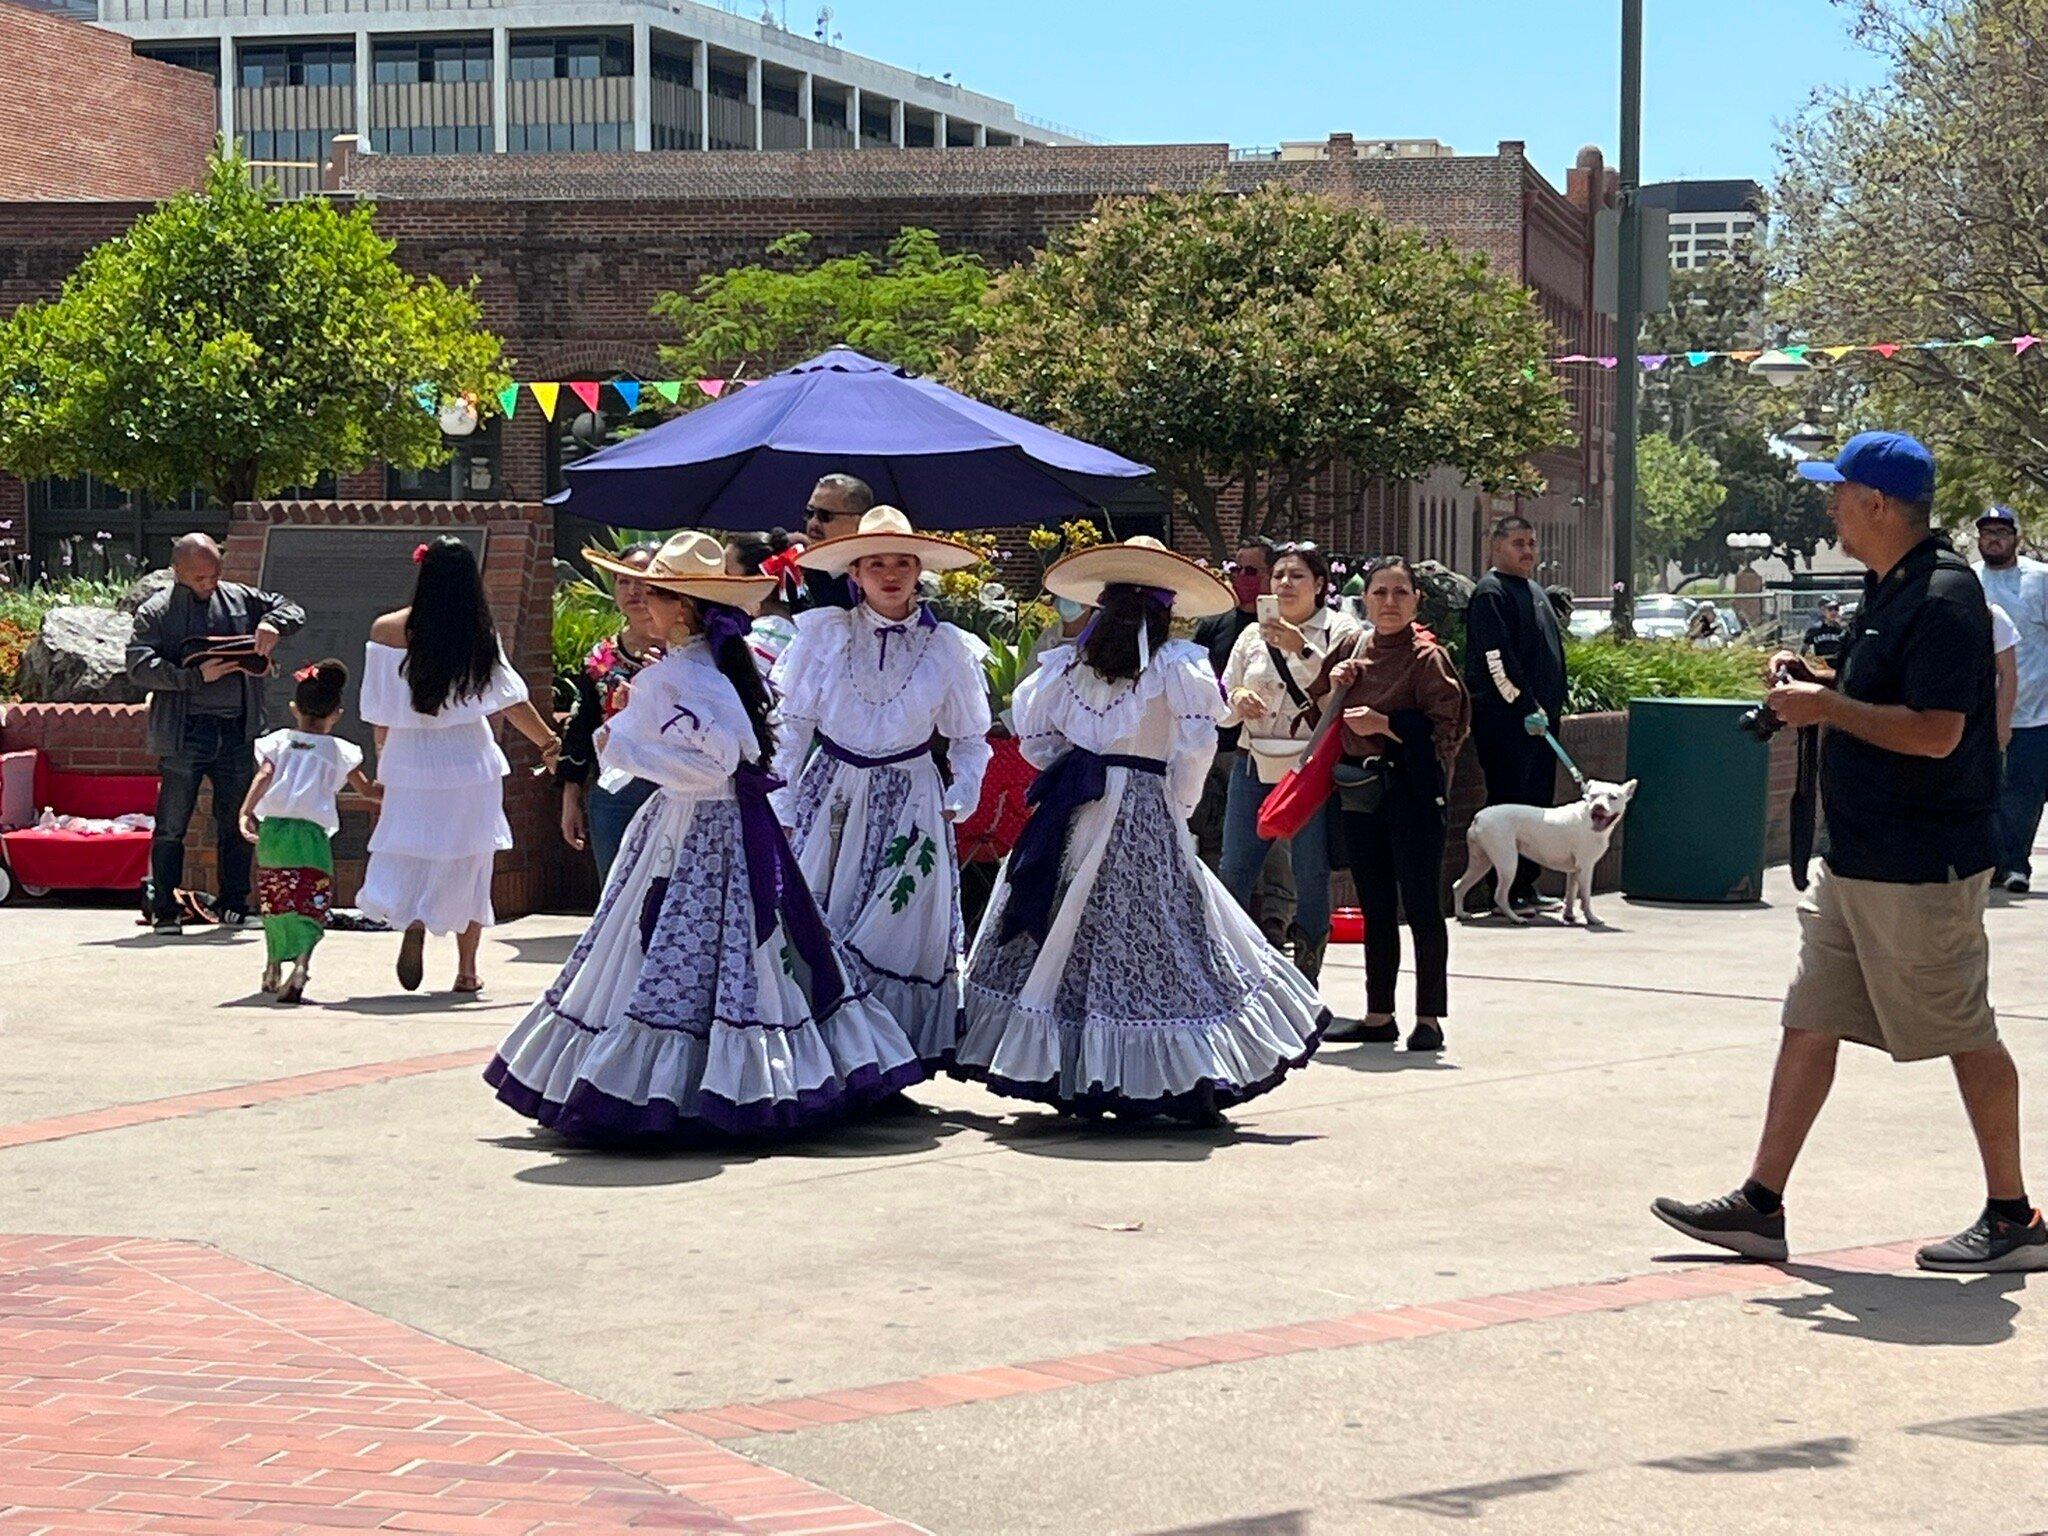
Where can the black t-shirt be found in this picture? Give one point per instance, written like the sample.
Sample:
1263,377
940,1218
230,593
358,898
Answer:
1218,636
1922,638
1824,640
821,590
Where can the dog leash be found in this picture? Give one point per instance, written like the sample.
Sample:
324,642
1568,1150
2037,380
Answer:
1563,756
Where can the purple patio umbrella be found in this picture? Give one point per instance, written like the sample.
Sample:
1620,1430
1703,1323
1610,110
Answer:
749,459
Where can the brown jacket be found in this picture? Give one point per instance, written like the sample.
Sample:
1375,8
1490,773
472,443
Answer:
1402,672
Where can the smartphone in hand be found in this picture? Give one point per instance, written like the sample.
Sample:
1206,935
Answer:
1268,607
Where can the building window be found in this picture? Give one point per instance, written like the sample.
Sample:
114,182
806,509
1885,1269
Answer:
563,138
469,139
284,146
675,68
728,83
274,64
778,98
570,58
203,60
432,61
471,475
86,526
1711,227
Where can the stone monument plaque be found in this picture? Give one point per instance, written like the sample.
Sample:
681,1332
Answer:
344,577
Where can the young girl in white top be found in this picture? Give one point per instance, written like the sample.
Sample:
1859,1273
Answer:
434,677
707,999
290,815
870,816
1113,971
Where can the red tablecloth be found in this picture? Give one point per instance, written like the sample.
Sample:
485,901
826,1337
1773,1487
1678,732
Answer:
75,861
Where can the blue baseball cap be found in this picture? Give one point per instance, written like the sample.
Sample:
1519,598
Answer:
1891,462
2004,515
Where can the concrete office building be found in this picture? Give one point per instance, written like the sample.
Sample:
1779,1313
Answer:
1710,220
438,77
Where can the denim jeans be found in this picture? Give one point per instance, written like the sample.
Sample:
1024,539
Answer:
214,750
609,815
1244,851
2019,803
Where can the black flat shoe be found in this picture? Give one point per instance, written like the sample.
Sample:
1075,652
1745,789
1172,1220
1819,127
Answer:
1362,1033
1426,1037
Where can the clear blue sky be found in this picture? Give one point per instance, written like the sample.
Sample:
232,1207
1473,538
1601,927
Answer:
1718,74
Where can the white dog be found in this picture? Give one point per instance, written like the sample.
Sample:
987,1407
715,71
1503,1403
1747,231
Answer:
1567,837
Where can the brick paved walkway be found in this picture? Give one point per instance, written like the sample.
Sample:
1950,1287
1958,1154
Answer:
151,1386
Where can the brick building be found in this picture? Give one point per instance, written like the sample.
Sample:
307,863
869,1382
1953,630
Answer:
570,250
59,148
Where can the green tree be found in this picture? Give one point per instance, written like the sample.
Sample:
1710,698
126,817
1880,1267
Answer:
1913,210
1717,407
1678,490
1252,341
241,345
911,306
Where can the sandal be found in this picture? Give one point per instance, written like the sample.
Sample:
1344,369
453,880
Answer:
273,975
412,964
468,983
294,987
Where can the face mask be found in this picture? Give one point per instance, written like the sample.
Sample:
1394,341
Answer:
1247,584
1067,609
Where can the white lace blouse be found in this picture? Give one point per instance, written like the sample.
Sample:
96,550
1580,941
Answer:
877,687
1251,666
1171,711
683,727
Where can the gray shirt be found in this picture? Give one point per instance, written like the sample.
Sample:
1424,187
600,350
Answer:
163,626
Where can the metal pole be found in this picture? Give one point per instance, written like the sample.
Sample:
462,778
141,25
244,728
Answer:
1628,261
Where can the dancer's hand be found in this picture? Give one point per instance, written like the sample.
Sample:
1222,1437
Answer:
250,830
575,824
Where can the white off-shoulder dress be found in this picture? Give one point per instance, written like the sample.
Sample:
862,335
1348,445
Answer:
697,1006
1150,990
442,823
862,698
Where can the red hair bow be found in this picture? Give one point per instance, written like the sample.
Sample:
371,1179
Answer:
419,554
306,674
786,567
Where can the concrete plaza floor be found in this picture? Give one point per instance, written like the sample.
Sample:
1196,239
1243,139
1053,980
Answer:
1398,1294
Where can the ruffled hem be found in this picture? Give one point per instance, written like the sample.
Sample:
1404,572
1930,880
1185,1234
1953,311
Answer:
929,1013
634,1083
1098,1065
446,895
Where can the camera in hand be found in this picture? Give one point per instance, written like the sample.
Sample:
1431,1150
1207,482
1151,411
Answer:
1762,721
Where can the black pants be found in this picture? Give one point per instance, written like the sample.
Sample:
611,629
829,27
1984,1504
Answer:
213,750
1397,861
1520,769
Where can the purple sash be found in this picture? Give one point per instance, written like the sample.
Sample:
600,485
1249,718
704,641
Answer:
777,886
832,748
1076,778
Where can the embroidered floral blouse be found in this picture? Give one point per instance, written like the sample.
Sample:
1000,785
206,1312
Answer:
599,684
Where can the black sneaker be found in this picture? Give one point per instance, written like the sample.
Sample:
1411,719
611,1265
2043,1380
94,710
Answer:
1992,1246
231,917
168,928
2017,884
1727,1221
1426,1037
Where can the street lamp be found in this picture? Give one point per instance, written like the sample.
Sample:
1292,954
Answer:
1748,546
1805,438
458,417
1780,369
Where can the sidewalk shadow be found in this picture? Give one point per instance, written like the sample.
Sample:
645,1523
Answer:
1112,1140
1902,1309
539,949
1289,1522
903,1128
1364,1056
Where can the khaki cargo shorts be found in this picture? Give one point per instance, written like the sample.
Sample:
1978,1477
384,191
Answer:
1905,968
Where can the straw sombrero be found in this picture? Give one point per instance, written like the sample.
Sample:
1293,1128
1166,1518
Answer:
692,564
1141,562
886,531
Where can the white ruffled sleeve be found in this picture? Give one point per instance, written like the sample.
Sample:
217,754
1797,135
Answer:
670,736
505,689
384,700
1198,709
801,674
1035,708
963,719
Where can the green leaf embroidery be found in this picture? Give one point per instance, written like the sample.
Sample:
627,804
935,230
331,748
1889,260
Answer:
927,856
788,961
899,893
897,852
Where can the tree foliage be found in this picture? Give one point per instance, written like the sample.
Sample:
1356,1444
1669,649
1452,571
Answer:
1254,340
241,345
1678,490
1732,417
1915,209
911,306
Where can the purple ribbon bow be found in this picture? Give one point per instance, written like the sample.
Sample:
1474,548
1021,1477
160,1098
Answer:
926,619
722,622
1077,777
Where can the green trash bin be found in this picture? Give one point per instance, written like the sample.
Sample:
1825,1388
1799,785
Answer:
1695,830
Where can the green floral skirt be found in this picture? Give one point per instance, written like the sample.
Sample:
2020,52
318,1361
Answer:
294,885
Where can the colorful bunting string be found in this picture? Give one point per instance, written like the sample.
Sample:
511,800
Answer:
547,393
1650,362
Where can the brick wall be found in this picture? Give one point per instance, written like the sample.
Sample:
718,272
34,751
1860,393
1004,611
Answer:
88,119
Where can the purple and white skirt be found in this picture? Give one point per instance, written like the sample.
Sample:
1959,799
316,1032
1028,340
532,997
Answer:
670,1023
1153,992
